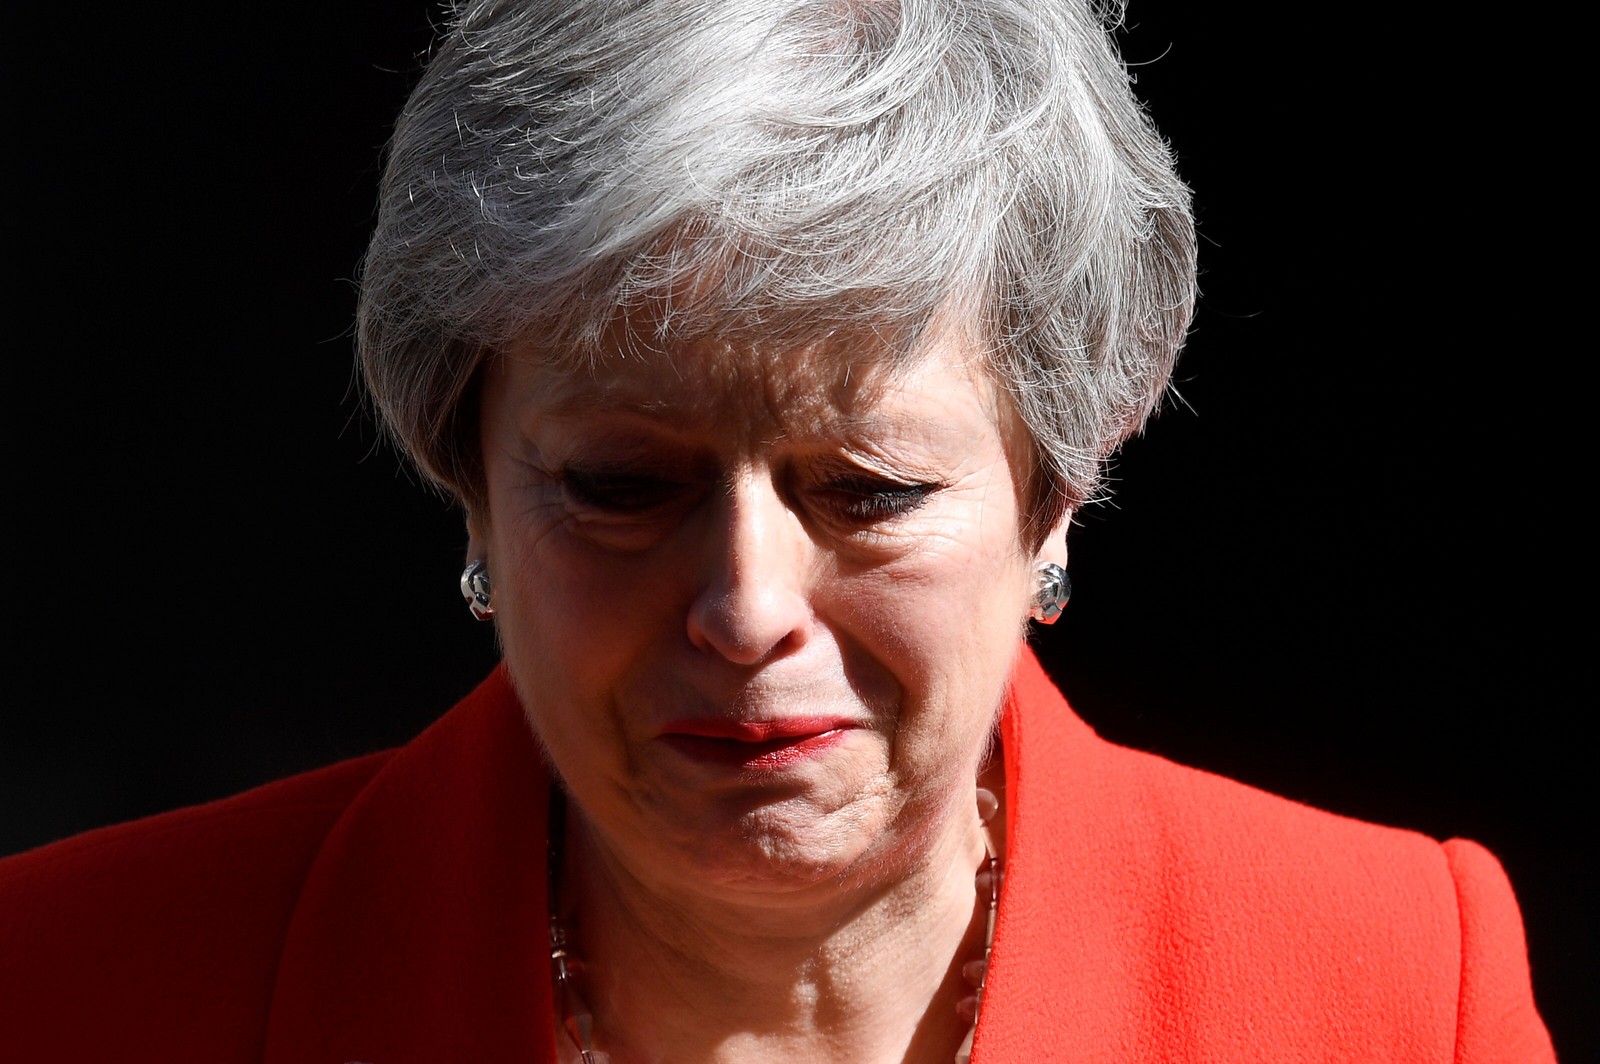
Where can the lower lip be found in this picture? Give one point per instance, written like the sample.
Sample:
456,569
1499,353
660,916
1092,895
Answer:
766,756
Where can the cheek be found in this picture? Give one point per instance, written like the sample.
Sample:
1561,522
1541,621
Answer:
571,623
949,628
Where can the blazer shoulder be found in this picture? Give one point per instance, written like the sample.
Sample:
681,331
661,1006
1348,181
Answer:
1177,812
170,925
1405,947
294,805
1214,810
1173,914
1497,1020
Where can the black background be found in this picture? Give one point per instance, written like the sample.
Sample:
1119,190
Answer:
1338,566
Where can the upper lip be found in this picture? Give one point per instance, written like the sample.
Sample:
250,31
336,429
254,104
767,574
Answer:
755,731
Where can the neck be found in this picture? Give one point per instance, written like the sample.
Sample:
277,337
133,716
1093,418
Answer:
868,973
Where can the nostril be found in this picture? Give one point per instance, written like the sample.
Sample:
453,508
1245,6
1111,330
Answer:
754,566
747,625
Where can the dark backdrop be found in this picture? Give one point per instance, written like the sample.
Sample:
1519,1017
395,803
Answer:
1332,567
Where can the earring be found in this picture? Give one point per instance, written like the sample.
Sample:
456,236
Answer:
1051,598
475,589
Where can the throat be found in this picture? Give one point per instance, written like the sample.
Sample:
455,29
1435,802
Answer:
898,980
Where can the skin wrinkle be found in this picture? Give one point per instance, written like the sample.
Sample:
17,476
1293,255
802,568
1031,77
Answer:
821,984
860,166
724,203
734,357
841,889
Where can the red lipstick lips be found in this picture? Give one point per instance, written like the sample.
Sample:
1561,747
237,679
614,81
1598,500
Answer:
762,745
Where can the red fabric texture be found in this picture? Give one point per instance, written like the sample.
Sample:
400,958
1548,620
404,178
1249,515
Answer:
391,910
1158,913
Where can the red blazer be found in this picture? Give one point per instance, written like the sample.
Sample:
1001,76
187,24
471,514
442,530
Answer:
391,909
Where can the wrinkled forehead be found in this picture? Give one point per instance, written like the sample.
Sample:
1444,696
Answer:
775,385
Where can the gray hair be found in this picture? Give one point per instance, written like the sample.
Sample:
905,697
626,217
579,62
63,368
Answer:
784,170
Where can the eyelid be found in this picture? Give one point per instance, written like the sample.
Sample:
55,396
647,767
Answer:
869,498
620,490
869,482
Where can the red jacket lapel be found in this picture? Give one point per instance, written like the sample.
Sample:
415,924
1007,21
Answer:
420,934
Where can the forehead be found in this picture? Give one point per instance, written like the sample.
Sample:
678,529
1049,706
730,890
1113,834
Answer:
750,385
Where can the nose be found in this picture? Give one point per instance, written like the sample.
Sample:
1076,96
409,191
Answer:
752,603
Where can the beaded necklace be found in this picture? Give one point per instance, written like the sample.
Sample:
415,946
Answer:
566,968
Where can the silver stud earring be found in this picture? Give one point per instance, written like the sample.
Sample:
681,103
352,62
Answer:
475,589
1051,597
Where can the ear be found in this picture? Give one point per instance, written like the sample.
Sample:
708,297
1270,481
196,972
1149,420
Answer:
1054,547
477,536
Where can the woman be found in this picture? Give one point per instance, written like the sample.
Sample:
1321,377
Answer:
770,352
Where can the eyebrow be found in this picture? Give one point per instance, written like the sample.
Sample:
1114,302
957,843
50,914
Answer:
577,403
658,410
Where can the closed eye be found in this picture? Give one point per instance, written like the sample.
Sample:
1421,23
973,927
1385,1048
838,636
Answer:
619,492
869,499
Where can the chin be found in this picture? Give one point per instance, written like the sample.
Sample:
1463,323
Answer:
768,845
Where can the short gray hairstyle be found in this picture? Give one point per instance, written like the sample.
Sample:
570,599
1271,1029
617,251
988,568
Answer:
782,169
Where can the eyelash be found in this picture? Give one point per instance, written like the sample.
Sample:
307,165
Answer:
620,492
861,500
869,499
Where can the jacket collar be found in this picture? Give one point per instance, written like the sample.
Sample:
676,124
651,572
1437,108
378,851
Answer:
420,934
421,931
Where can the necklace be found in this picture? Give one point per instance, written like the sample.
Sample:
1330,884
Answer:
566,969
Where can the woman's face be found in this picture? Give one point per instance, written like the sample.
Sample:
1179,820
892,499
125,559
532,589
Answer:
760,605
